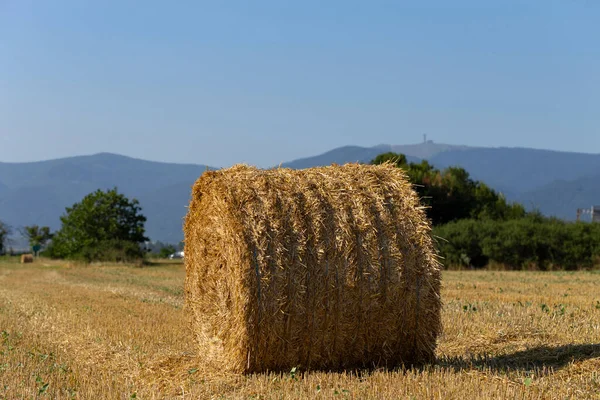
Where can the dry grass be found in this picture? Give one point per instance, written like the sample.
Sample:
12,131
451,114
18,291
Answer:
115,331
323,268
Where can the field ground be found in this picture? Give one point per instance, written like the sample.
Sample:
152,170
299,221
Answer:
119,332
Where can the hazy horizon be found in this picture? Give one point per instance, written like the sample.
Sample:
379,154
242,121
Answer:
267,82
301,157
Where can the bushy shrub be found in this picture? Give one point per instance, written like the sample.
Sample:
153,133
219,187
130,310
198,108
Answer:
113,250
104,226
544,243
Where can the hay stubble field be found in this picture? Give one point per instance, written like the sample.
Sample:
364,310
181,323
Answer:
119,332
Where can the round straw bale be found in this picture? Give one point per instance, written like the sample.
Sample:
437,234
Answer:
26,258
321,268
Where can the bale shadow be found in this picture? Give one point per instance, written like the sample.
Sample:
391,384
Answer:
555,357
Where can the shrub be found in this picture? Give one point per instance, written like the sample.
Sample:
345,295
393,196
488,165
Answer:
546,243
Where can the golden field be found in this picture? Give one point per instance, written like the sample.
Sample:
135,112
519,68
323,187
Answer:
120,332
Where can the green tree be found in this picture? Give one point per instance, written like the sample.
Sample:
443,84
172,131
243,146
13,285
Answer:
451,194
398,159
37,235
5,232
103,226
167,251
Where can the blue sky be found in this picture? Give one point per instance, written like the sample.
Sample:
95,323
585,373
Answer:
269,81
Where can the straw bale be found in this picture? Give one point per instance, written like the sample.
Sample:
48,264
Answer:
323,268
26,258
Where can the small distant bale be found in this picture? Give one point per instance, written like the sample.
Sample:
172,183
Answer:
26,258
324,268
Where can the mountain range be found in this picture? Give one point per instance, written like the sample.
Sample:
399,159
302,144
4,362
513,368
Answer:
38,192
554,182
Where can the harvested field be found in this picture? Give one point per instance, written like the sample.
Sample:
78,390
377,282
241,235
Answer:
118,332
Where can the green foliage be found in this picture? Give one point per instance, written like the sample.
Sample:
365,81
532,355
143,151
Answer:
159,249
104,226
531,242
397,159
166,251
5,231
37,235
451,194
111,250
459,243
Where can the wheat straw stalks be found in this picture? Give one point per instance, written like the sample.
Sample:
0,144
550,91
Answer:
322,268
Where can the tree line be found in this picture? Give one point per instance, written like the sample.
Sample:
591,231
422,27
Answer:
532,242
38,236
473,225
103,226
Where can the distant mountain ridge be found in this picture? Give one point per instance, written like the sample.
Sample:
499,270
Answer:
427,149
346,154
556,183
562,198
38,192
519,169
340,155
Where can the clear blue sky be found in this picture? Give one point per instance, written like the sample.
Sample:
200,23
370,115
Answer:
264,82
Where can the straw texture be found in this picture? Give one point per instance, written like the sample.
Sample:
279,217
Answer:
322,268
26,258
